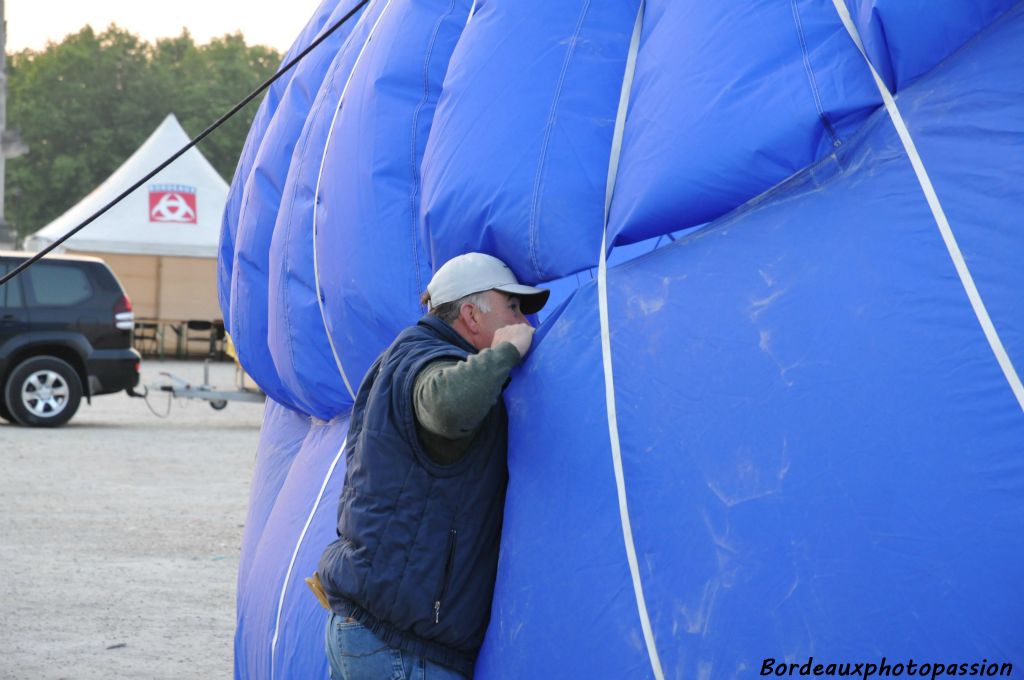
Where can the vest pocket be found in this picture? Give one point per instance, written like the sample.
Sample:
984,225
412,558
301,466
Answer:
448,568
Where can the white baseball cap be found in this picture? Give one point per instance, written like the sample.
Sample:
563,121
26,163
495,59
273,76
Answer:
476,272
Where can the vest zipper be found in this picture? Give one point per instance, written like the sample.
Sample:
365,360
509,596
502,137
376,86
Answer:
447,575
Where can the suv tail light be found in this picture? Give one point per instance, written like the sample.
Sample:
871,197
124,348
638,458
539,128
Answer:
124,317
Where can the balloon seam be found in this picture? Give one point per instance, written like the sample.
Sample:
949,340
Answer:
548,127
606,351
966,279
316,198
300,147
295,554
414,196
812,81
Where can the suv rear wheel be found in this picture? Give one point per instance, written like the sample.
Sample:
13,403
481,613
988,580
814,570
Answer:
43,391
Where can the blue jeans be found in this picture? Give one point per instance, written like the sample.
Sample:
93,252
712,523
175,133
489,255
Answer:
355,653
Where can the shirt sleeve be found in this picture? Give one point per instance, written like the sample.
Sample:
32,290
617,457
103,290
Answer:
451,398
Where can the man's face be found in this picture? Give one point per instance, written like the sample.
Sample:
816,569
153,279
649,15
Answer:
504,312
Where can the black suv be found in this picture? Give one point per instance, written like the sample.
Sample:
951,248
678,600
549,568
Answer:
65,332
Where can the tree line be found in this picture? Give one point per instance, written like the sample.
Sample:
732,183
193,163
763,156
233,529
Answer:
85,104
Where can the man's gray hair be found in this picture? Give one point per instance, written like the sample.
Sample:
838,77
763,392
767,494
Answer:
449,311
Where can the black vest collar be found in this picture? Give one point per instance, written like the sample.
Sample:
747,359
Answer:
445,332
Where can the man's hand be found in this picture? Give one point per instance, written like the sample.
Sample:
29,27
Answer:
520,335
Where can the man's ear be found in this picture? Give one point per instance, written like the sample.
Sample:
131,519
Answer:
468,314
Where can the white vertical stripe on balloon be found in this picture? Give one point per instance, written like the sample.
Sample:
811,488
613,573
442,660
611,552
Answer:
316,199
606,352
295,554
977,304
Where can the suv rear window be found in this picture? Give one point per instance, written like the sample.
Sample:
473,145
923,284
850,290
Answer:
10,293
59,285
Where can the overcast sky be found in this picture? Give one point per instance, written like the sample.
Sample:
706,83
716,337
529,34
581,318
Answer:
31,23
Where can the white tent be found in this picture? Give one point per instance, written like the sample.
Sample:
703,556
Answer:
161,240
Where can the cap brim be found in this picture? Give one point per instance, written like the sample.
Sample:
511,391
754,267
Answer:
531,300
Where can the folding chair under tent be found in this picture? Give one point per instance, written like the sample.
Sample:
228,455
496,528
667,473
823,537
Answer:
775,408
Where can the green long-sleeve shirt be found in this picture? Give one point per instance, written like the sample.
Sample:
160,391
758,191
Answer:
452,397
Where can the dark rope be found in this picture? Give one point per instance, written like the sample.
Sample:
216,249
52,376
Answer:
202,135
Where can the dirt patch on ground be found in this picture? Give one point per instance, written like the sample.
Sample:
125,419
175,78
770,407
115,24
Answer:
120,536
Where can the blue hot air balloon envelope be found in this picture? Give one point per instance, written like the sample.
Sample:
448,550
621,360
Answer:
783,420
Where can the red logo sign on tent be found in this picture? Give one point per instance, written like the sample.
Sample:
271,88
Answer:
172,203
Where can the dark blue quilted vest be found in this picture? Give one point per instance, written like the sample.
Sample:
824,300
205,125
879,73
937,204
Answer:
417,544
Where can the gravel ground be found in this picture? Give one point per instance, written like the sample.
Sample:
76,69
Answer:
120,534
